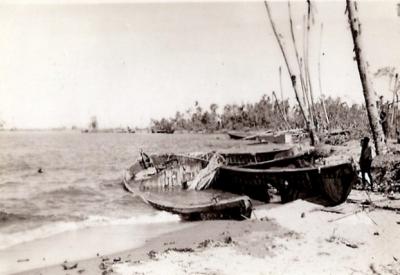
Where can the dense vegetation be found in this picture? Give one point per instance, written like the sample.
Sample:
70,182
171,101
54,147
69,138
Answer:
267,113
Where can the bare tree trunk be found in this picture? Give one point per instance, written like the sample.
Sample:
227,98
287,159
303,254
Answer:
394,98
299,65
395,118
369,96
280,110
304,66
281,87
290,70
310,127
319,79
306,63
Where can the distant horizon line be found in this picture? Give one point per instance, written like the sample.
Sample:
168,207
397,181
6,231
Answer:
66,128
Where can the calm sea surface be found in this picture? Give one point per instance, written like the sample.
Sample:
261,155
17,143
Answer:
81,183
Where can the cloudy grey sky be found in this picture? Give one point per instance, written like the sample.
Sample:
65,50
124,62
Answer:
129,62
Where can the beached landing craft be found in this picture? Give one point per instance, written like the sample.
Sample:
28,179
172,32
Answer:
163,186
328,184
293,177
152,177
171,170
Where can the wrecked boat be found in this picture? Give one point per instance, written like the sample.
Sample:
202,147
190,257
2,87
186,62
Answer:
237,135
159,178
293,178
160,171
205,205
163,185
236,159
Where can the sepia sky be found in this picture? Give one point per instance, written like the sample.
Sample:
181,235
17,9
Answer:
63,62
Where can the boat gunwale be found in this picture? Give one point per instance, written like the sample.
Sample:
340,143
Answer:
190,209
284,170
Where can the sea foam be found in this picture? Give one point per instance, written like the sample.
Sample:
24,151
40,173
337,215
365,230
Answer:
51,229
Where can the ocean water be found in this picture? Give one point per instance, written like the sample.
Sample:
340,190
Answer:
81,183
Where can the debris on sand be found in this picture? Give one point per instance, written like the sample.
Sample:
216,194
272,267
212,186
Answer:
352,245
179,250
22,260
204,243
373,269
67,266
103,266
152,254
228,240
338,240
386,172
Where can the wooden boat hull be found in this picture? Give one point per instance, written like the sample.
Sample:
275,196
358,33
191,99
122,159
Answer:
210,207
332,184
238,159
291,176
171,170
237,136
307,159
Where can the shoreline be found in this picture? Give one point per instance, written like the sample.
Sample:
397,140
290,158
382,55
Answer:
188,239
81,244
294,238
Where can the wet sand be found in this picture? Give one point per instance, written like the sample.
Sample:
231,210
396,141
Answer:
80,244
295,238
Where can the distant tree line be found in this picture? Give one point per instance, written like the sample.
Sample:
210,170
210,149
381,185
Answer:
267,113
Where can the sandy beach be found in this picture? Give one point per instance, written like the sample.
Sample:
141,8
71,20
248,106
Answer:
127,126
359,236
296,238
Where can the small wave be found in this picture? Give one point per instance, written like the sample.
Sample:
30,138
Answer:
15,166
47,230
10,217
11,184
111,183
73,191
160,217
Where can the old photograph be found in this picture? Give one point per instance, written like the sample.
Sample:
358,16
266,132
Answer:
174,137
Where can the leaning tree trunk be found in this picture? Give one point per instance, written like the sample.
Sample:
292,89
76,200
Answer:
310,127
280,110
369,96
